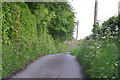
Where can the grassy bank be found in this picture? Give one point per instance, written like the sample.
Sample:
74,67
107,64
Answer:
99,53
99,59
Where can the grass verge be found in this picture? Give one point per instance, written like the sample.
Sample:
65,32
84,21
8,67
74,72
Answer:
98,58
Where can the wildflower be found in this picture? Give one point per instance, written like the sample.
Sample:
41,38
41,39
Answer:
98,47
116,64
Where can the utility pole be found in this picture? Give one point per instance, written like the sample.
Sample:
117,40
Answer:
95,12
77,30
95,20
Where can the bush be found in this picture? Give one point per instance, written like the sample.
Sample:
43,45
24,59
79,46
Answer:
99,52
99,59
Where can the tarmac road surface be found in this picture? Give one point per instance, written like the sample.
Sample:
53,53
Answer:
62,65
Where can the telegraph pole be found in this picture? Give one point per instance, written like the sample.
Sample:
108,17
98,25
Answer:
95,20
95,12
77,30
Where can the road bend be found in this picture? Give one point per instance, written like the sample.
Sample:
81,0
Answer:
62,65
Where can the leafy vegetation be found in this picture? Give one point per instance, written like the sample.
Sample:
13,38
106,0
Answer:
99,52
31,30
57,18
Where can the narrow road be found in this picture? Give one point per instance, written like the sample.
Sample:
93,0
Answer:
61,65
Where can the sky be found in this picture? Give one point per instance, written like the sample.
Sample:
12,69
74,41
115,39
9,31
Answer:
85,14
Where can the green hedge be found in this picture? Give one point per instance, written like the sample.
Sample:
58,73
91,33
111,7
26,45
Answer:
25,35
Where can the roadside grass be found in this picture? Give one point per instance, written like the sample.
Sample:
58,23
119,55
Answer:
75,51
98,58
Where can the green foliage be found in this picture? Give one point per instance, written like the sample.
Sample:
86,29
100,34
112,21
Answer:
108,30
99,59
56,18
99,53
19,35
26,33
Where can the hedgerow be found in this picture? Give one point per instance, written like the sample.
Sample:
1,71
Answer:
99,52
28,32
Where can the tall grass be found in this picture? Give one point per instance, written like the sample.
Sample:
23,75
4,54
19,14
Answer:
98,58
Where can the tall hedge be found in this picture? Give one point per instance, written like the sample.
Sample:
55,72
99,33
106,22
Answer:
99,53
31,30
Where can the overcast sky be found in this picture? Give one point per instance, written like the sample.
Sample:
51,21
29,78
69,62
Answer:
85,13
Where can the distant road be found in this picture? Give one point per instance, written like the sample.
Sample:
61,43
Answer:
61,65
